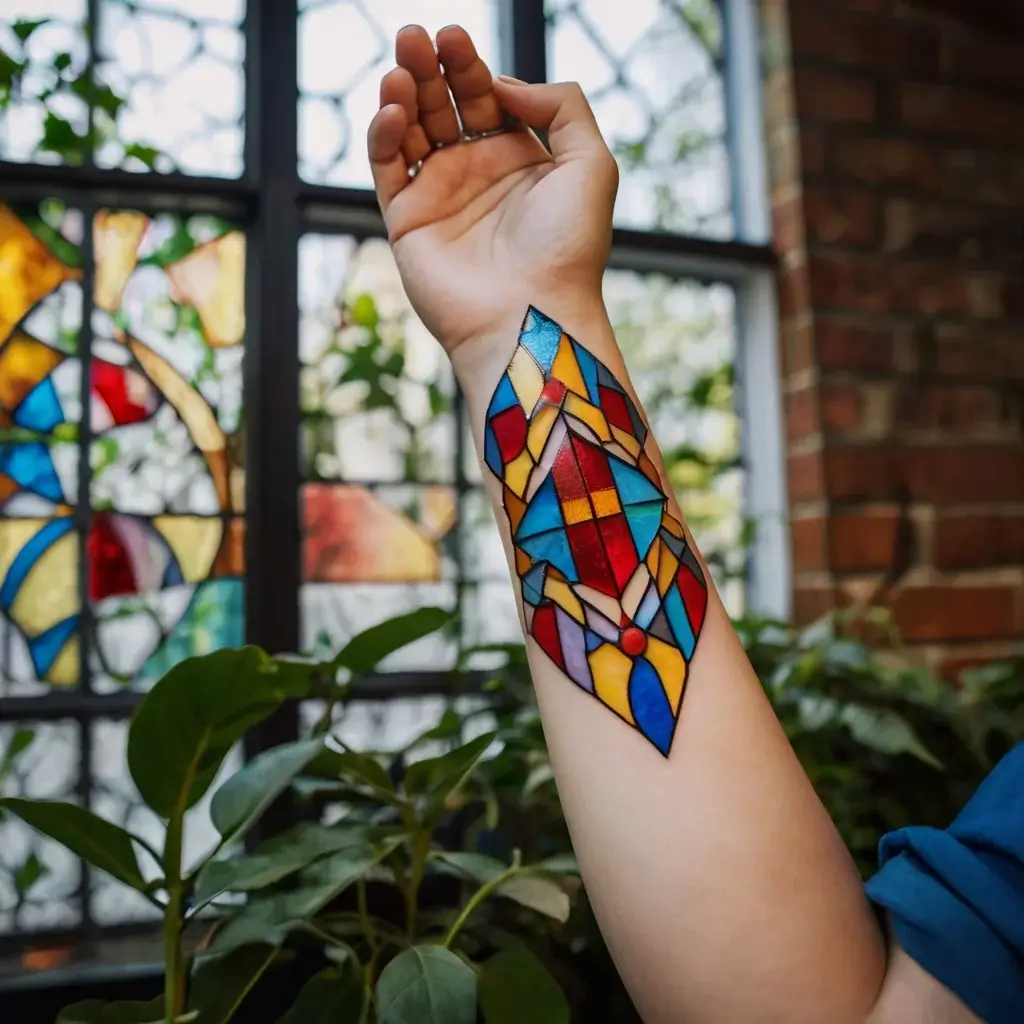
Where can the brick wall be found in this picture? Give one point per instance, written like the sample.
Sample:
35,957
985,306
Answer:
895,131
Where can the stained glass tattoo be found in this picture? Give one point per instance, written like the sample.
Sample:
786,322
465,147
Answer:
612,591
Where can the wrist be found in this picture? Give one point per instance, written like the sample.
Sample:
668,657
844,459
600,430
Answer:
481,359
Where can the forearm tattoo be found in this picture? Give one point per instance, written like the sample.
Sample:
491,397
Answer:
611,590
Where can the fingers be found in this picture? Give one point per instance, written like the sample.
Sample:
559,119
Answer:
415,52
563,110
469,79
387,133
398,86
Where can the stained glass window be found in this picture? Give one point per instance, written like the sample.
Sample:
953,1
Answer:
338,97
161,87
653,70
161,512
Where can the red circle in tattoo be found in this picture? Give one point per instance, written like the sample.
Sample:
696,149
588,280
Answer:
633,641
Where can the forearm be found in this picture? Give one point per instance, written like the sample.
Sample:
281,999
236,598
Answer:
719,882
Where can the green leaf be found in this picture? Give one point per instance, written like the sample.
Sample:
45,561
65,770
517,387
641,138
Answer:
175,248
242,799
887,732
269,917
564,864
220,983
300,848
515,987
23,28
20,742
439,777
427,985
29,873
99,842
146,155
61,137
368,649
98,1011
193,716
62,61
350,766
539,893
363,311
334,996
476,866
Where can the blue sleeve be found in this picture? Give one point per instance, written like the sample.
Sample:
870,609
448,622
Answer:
956,898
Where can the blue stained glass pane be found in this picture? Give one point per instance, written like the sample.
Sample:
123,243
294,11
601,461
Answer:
588,367
29,465
40,409
29,555
677,619
644,523
47,646
593,641
650,706
492,454
552,547
648,608
504,397
543,512
540,337
634,487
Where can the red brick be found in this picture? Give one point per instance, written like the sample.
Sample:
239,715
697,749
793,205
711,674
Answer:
808,536
984,176
801,413
834,217
818,30
804,472
983,59
999,16
863,541
812,603
977,352
862,472
847,345
842,407
822,96
963,410
794,294
961,112
813,147
954,473
979,541
929,614
941,229
877,161
797,340
788,225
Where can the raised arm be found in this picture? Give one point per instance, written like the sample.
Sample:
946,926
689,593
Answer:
720,884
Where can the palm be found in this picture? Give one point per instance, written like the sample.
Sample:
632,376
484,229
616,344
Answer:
485,225
484,222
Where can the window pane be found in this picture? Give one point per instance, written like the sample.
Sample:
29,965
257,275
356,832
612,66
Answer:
344,48
165,531
379,450
39,879
167,92
653,72
679,341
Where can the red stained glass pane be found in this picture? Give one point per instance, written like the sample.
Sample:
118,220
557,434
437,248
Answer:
566,472
590,558
545,632
621,551
613,403
110,570
510,430
594,463
695,597
127,397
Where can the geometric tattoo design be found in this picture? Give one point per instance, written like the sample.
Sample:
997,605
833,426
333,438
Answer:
611,590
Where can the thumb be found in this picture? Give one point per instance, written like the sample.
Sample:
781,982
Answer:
561,109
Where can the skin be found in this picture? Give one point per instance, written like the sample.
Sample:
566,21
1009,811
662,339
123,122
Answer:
720,884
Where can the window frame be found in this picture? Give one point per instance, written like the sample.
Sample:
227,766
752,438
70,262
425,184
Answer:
276,208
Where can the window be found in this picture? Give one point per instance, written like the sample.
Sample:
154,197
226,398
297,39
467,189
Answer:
220,420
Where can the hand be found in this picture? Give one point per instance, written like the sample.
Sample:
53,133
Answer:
487,226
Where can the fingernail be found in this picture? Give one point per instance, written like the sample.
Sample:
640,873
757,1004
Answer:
509,80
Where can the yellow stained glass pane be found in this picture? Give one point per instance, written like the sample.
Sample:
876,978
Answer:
24,362
606,502
540,428
667,565
212,278
48,594
668,662
607,606
28,271
567,369
588,414
517,473
195,541
527,379
65,668
630,443
116,237
577,510
562,595
610,669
